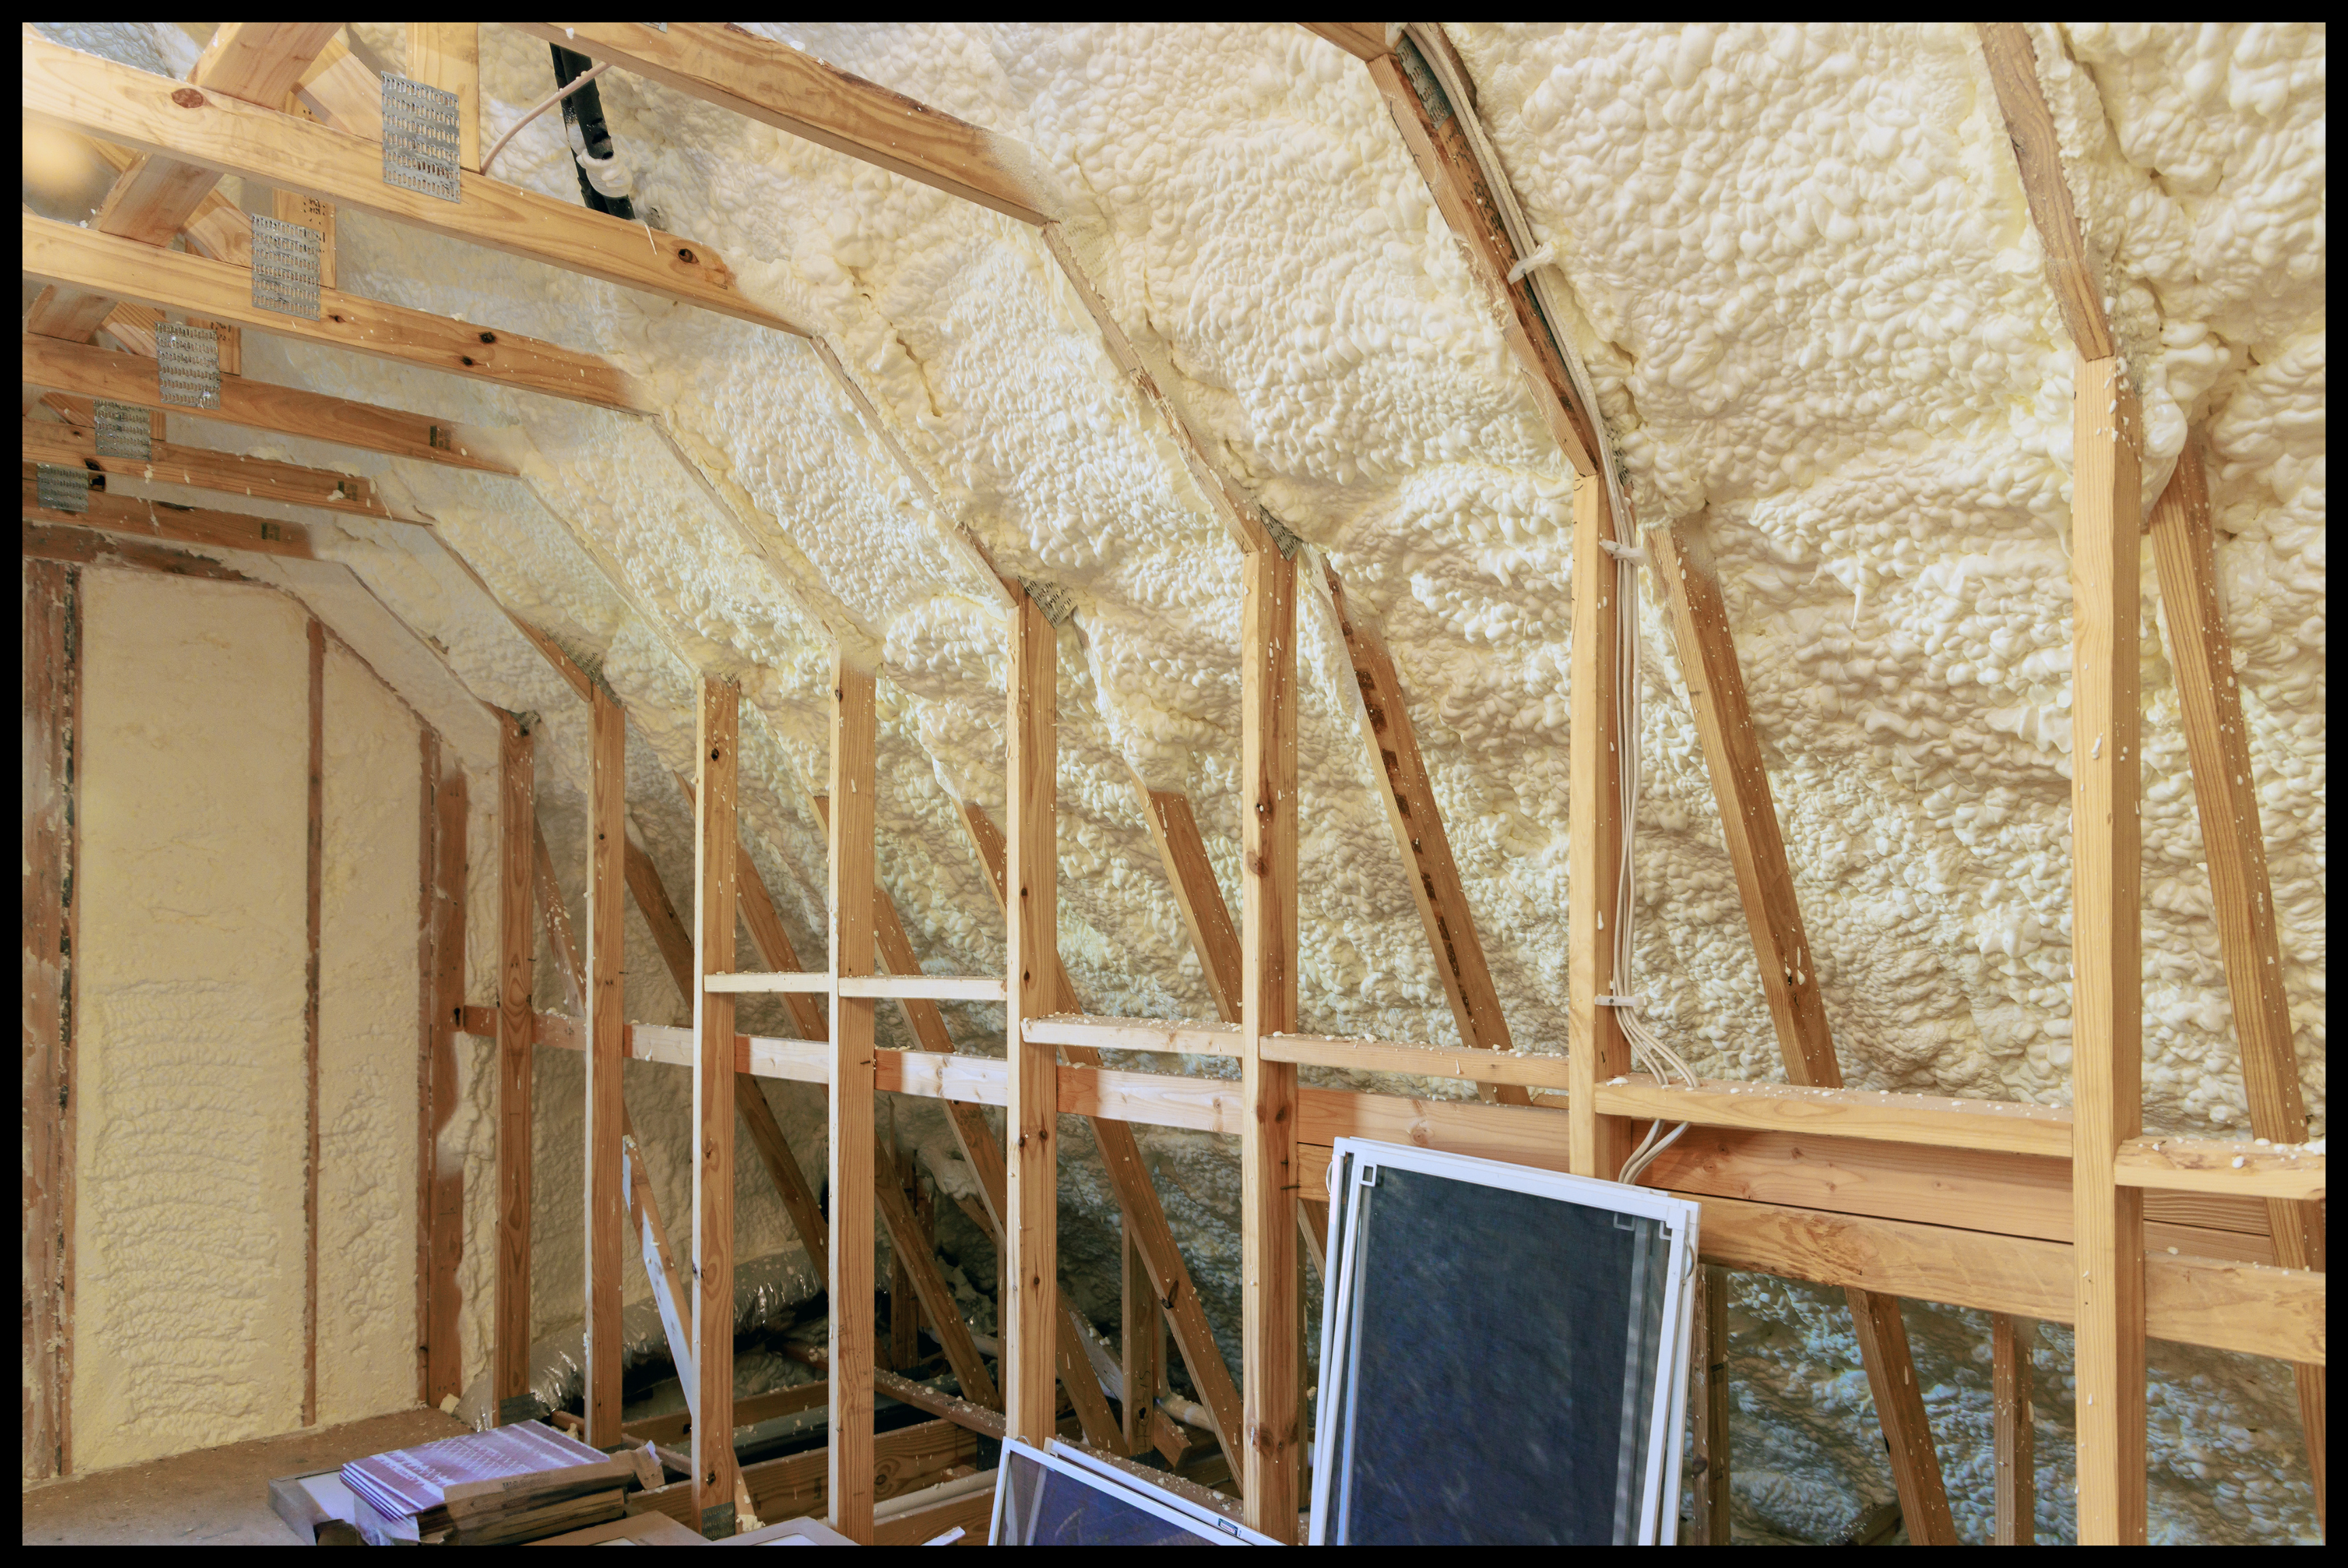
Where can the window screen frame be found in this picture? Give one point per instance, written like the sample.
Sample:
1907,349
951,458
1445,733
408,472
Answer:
1212,1528
1353,1158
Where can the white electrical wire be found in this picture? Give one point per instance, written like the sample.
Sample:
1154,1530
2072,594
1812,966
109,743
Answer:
581,80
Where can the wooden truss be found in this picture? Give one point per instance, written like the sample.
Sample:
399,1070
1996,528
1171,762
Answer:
1883,1195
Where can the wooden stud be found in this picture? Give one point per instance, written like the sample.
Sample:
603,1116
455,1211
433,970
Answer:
1765,884
1593,804
1271,1389
314,910
88,371
75,446
519,847
2108,968
1417,824
95,97
1031,1127
177,280
51,595
2070,272
2014,1434
1430,130
853,780
448,56
606,1024
715,842
444,1352
1710,1524
796,92
2225,795
153,198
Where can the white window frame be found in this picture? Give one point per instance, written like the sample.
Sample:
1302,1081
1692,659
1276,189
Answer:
1212,1528
1659,1510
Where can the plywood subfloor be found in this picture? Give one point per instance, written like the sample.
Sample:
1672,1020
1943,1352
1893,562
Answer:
213,1496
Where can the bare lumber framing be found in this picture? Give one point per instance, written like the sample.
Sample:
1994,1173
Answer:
98,98
51,595
853,738
89,547
1272,1390
716,844
796,92
605,1029
45,442
2071,272
1429,124
1174,828
448,56
2226,798
1417,824
88,371
2015,1482
519,848
1030,1124
1138,1208
441,1227
154,197
1709,1408
174,280
313,901
200,526
1600,1143
1765,885
2107,967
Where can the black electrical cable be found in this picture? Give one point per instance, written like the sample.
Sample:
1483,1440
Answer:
584,109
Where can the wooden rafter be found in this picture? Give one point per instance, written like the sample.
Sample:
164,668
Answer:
1765,884
1174,828
83,371
2226,796
440,1230
2071,272
98,98
173,280
794,92
1417,823
185,525
74,445
1599,1052
154,197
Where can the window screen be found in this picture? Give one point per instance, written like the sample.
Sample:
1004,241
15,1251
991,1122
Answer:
1500,1346
1069,1498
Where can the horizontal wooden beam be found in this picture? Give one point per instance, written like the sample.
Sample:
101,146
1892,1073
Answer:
2246,1307
927,987
181,525
175,280
1520,1070
95,97
1103,1034
2214,1165
74,445
793,91
88,547
803,983
83,371
1940,1121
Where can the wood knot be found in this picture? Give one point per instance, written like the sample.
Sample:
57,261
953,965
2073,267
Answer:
188,97
684,254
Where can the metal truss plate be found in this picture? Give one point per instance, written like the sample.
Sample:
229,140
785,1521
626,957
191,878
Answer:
419,139
124,431
1057,604
63,488
285,267
187,364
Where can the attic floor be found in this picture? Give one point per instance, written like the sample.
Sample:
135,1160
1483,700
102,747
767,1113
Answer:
212,1497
